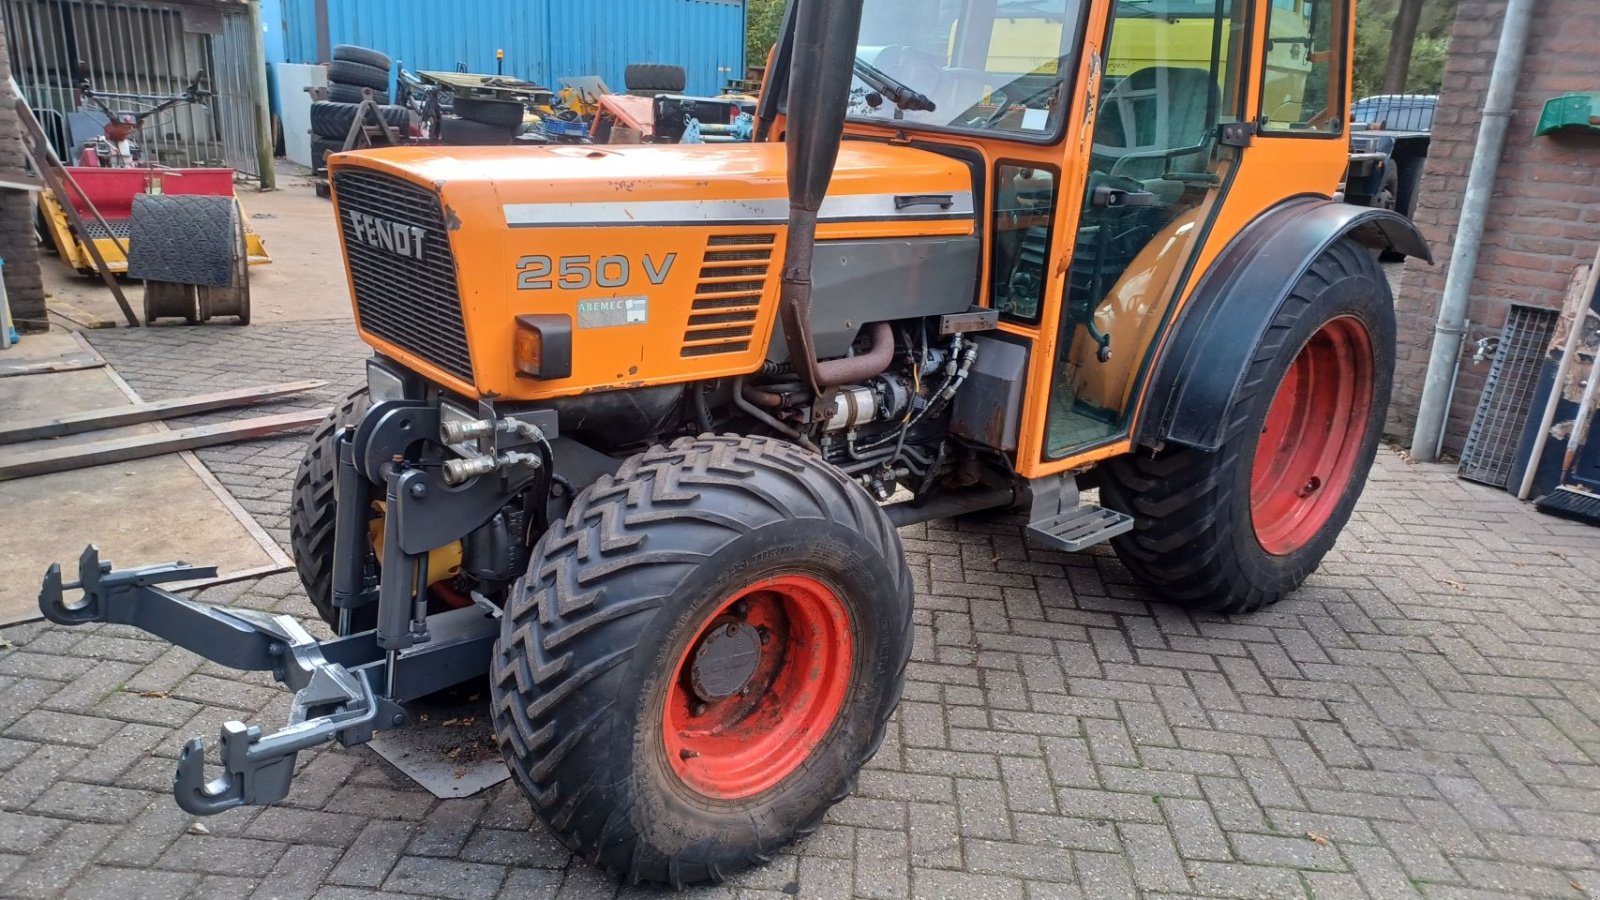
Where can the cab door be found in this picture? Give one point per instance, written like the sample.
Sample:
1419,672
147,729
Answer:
1166,135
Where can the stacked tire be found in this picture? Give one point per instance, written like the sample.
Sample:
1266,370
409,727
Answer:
479,122
353,72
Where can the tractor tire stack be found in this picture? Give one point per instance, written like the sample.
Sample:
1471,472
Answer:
481,122
354,70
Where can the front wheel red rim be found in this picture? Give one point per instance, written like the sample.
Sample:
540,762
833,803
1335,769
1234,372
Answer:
1313,437
759,687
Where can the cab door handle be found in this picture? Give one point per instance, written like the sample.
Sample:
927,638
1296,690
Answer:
906,201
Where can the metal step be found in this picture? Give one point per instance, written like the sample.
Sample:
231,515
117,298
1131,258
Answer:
1080,527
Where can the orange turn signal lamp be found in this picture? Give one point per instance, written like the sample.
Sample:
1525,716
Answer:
542,346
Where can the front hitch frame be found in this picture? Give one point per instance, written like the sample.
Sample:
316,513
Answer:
347,688
332,701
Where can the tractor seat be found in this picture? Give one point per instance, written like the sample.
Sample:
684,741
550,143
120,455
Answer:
1155,121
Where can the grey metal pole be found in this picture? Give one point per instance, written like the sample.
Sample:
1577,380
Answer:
263,110
1434,410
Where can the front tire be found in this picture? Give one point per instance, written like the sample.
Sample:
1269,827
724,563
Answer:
1235,530
312,512
701,657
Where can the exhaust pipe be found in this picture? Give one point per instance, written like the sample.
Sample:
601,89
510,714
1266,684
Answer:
820,71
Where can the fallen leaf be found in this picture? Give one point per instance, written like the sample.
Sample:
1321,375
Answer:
448,722
1575,885
197,828
461,773
1319,840
155,695
1447,582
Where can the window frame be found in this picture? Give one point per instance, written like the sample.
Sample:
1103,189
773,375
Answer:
1341,53
1068,69
1054,169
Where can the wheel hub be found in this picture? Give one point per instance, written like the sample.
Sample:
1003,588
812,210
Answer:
759,688
726,659
1312,438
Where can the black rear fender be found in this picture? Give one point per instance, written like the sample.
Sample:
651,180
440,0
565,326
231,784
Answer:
1199,371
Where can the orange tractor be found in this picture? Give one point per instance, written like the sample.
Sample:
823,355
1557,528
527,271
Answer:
641,421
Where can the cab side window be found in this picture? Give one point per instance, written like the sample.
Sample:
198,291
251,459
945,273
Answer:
1301,81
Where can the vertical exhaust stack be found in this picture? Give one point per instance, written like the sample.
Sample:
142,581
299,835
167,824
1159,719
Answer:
820,71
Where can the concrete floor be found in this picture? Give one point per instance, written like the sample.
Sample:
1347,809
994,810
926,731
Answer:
137,512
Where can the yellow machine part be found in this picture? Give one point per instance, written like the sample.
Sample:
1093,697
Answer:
75,253
444,563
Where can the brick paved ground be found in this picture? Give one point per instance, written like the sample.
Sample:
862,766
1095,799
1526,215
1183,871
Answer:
1423,718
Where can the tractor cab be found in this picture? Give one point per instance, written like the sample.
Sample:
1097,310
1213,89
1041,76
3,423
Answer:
1115,149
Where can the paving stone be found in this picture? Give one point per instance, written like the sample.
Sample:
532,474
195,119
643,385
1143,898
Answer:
445,878
939,884
113,883
374,853
91,802
1379,733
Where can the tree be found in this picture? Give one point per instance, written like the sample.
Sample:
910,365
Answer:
1400,46
1376,43
763,18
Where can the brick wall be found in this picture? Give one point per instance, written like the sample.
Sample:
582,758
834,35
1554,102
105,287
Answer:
17,244
1544,218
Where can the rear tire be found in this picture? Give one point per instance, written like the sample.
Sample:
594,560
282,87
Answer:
363,55
349,93
1235,530
507,114
356,74
458,132
654,78
320,148
333,120
311,513
606,649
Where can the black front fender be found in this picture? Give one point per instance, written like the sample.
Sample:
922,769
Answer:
1199,371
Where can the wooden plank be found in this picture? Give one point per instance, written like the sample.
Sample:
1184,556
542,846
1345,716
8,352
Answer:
37,147
99,453
267,542
118,416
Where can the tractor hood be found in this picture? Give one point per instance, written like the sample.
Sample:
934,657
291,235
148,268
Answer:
591,184
662,260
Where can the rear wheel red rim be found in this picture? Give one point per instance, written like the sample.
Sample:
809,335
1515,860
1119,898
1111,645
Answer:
1313,437
759,687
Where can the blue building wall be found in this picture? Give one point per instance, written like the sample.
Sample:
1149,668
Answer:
544,40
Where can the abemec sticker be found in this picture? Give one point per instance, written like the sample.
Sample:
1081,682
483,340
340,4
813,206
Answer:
613,312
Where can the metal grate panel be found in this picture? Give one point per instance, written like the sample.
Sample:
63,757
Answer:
149,50
120,229
407,295
733,276
1491,448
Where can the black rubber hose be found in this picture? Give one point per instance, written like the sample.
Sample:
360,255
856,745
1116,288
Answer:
701,407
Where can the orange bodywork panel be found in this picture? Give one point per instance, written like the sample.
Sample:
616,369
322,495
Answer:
665,258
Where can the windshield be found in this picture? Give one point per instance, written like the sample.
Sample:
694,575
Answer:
986,66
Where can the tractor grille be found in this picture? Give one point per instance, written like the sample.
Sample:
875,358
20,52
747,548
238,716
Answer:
1490,453
733,276
411,302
